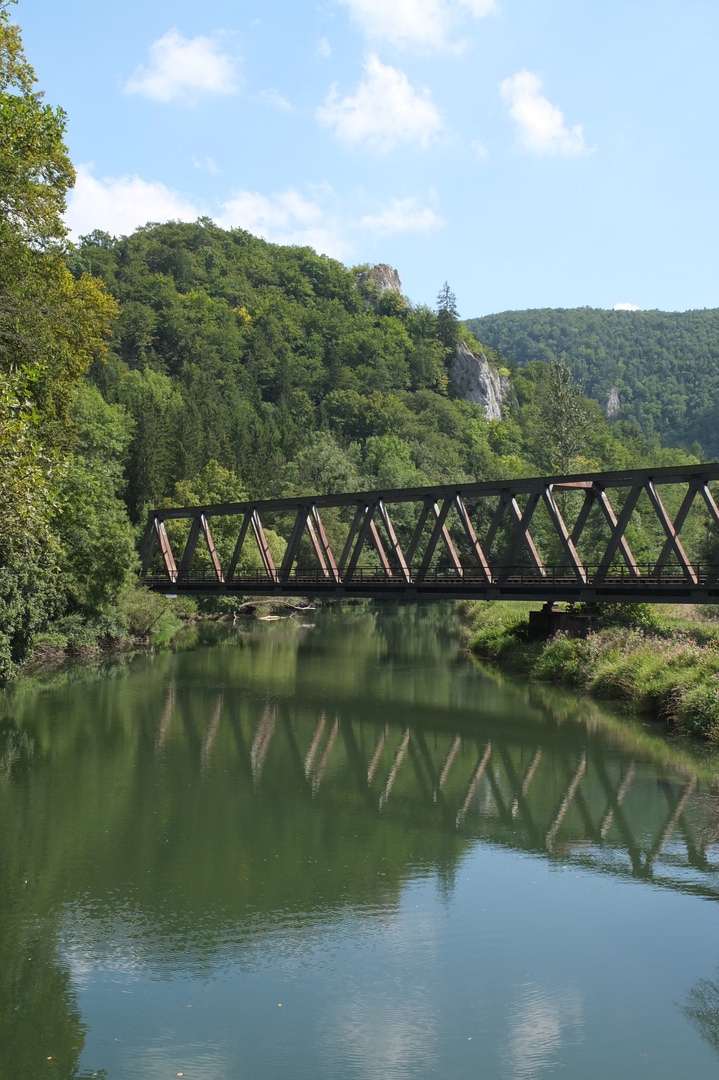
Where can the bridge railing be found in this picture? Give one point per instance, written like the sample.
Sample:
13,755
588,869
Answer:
641,575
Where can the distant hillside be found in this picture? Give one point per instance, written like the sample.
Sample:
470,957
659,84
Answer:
293,373
664,365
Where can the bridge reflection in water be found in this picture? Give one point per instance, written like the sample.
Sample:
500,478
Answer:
568,795
330,818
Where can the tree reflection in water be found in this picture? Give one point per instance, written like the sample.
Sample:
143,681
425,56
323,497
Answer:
202,806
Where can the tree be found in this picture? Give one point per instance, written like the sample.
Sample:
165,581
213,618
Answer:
91,522
447,317
565,415
51,327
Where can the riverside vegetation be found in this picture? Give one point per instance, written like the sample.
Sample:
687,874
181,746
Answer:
187,364
656,660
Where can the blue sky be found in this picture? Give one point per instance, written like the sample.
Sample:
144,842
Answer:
533,153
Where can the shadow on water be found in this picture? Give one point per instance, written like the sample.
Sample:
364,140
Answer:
207,799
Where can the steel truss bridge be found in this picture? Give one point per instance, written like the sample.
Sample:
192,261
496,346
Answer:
501,540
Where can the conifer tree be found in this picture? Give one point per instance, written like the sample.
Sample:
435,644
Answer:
447,317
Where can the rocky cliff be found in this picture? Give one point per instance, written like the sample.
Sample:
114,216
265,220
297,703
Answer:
476,380
613,406
386,278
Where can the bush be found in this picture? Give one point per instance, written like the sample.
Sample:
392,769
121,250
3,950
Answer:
697,710
563,659
629,616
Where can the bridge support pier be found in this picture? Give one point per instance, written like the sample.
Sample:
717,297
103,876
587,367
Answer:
543,624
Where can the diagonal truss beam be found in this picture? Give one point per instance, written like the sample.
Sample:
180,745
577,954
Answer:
570,552
321,544
394,542
522,536
673,543
472,537
618,540
264,547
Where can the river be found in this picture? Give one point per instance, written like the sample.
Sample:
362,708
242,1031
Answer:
331,847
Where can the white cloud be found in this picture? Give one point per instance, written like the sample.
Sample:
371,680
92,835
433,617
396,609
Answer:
276,99
184,68
402,215
206,164
120,206
540,125
626,307
421,24
285,218
384,110
318,220
324,48
480,150
321,222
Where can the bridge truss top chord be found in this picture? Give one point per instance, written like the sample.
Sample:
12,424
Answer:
628,536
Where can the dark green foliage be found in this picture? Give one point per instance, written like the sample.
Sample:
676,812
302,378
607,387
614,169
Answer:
664,365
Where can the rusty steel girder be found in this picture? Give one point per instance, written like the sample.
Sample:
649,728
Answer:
488,540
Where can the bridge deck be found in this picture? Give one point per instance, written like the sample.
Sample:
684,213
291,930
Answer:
669,589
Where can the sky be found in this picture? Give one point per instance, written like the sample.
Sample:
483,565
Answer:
532,153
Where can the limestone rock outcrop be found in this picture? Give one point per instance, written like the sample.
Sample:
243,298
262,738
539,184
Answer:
613,406
474,379
385,277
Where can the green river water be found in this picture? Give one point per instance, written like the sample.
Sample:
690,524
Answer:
340,851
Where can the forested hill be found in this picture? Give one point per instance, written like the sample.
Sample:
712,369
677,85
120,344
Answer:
295,373
664,365
187,364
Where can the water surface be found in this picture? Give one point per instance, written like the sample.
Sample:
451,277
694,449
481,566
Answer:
340,851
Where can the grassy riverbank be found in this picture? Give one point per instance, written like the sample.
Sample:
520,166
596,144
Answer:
662,662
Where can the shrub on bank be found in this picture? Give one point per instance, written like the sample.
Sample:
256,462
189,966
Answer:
649,666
